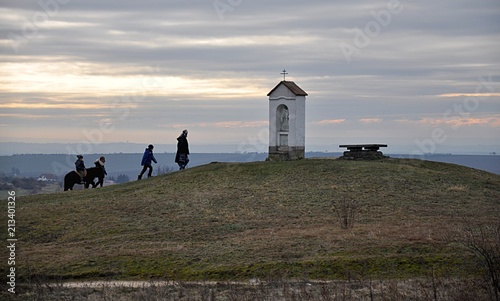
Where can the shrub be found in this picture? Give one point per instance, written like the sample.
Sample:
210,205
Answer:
346,210
484,241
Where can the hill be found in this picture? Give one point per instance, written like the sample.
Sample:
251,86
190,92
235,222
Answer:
33,165
261,219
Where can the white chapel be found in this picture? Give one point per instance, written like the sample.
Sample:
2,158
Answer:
287,114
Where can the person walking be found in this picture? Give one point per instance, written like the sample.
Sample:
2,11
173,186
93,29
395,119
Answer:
100,164
146,162
182,155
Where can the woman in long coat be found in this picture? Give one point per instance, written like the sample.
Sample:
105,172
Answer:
181,157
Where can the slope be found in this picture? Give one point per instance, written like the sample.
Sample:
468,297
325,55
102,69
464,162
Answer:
261,219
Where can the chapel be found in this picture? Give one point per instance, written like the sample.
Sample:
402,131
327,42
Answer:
287,112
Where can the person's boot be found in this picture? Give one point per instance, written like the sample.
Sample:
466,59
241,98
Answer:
139,177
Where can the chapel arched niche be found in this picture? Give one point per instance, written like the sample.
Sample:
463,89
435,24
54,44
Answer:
283,124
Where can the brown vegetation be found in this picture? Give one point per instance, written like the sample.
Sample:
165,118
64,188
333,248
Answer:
233,221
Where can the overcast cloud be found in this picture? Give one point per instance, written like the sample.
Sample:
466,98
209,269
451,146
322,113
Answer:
417,75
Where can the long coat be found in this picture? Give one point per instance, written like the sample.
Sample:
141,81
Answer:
182,147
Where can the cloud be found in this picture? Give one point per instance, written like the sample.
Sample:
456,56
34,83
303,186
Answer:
371,120
242,124
167,64
46,104
456,122
223,124
330,121
468,94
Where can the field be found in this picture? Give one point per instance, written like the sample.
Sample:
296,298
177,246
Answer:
318,219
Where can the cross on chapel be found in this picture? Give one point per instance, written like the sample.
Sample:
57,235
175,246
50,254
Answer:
284,74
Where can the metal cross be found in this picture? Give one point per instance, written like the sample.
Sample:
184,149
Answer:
284,74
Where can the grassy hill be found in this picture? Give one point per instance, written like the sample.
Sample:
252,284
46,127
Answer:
261,219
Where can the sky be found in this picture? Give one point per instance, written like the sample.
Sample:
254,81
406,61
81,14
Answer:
421,76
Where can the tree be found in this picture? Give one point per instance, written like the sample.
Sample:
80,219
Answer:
163,169
122,178
15,172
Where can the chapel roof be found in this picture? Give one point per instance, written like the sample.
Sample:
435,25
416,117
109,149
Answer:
292,87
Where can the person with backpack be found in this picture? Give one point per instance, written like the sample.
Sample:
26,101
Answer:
146,162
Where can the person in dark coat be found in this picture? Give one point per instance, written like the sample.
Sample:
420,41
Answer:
181,157
80,167
146,162
100,163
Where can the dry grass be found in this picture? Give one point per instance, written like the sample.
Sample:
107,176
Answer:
425,289
237,221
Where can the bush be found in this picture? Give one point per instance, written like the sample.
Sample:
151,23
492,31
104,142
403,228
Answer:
122,178
346,210
484,241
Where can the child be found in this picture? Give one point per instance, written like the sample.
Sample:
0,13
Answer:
146,161
80,167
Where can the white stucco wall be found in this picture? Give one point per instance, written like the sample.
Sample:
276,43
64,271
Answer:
296,108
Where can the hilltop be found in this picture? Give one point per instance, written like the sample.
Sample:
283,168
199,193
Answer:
261,219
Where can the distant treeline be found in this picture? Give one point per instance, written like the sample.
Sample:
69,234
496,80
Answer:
129,164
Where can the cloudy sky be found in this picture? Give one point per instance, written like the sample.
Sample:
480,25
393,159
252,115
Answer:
418,75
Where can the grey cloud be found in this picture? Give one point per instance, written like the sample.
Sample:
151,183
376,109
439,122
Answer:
429,48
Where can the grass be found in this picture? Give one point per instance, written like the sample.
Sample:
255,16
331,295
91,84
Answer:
277,290
235,221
